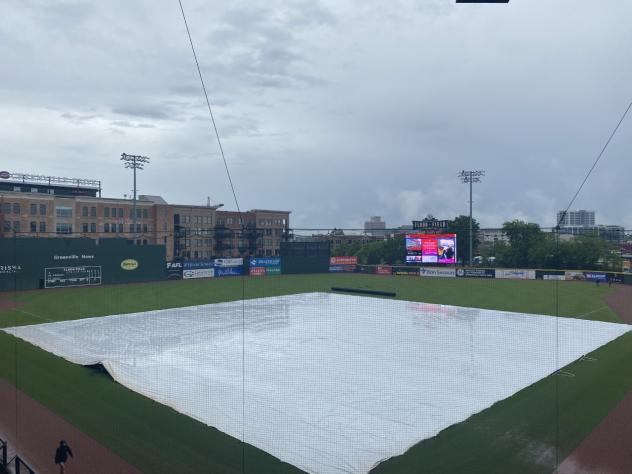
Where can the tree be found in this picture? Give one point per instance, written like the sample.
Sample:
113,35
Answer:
460,226
392,251
524,239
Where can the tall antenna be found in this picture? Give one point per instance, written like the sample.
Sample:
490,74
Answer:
135,162
471,177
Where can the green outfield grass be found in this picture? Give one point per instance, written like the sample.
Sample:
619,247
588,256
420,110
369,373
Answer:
518,434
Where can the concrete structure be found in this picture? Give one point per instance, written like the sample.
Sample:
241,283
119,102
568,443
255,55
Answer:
579,218
375,227
188,232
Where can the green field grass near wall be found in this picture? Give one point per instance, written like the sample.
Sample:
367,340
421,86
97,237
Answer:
515,435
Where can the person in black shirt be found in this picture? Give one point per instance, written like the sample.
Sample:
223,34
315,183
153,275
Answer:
61,455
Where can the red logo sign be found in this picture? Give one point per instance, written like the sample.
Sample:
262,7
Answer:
257,271
384,270
343,260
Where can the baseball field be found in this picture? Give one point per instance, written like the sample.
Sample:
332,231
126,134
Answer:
531,431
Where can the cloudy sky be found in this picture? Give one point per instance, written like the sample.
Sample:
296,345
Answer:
333,109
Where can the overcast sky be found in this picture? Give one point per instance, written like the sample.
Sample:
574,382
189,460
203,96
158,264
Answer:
336,110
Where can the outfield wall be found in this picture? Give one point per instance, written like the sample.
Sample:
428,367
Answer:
31,263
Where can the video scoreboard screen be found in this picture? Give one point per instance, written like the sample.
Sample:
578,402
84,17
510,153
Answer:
431,248
56,277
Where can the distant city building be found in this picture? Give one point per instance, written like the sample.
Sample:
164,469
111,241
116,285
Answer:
490,236
338,237
583,223
42,206
579,218
375,227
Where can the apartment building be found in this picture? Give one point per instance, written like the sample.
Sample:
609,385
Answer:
65,207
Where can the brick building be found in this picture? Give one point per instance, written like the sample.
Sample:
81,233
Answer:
62,207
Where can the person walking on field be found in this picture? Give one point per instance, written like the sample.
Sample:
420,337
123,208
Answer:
61,455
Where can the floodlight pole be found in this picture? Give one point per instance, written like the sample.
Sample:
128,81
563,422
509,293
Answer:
134,162
470,177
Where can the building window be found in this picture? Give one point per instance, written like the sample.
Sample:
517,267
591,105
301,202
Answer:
42,209
138,213
106,226
268,252
7,226
268,231
113,212
63,228
6,208
16,226
121,213
42,226
93,227
33,226
84,228
16,208
93,212
145,214
33,190
17,188
33,208
144,241
106,212
84,211
144,227
120,228
63,211
131,227
138,228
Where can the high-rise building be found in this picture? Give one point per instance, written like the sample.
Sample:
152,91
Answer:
375,227
579,218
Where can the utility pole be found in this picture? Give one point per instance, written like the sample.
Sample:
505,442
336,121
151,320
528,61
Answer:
473,176
134,162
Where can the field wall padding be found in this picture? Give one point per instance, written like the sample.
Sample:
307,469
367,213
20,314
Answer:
32,263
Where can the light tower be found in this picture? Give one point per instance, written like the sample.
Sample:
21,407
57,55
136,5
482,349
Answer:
134,162
471,177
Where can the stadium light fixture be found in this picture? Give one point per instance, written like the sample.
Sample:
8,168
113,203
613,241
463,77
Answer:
473,176
135,162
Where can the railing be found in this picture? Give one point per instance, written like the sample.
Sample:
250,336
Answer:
19,465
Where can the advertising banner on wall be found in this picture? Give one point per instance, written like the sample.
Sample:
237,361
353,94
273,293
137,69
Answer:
264,262
475,273
174,270
193,264
352,260
596,276
437,272
342,268
55,277
229,262
228,271
574,276
515,274
198,273
408,271
384,270
265,266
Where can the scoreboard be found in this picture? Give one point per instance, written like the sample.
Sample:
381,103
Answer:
55,277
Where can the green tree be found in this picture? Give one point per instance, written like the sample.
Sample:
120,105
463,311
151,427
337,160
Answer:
460,226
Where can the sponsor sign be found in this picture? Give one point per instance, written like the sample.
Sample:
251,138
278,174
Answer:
431,224
273,270
476,273
342,268
9,269
550,276
515,273
384,270
265,262
56,277
257,271
596,276
198,273
437,272
129,264
229,262
406,271
193,264
343,260
615,277
228,271
574,276
174,270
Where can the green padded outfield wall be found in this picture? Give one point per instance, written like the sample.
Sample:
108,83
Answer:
29,263
305,257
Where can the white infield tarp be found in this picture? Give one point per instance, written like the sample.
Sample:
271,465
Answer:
332,383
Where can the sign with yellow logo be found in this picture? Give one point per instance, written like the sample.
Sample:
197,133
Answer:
129,264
